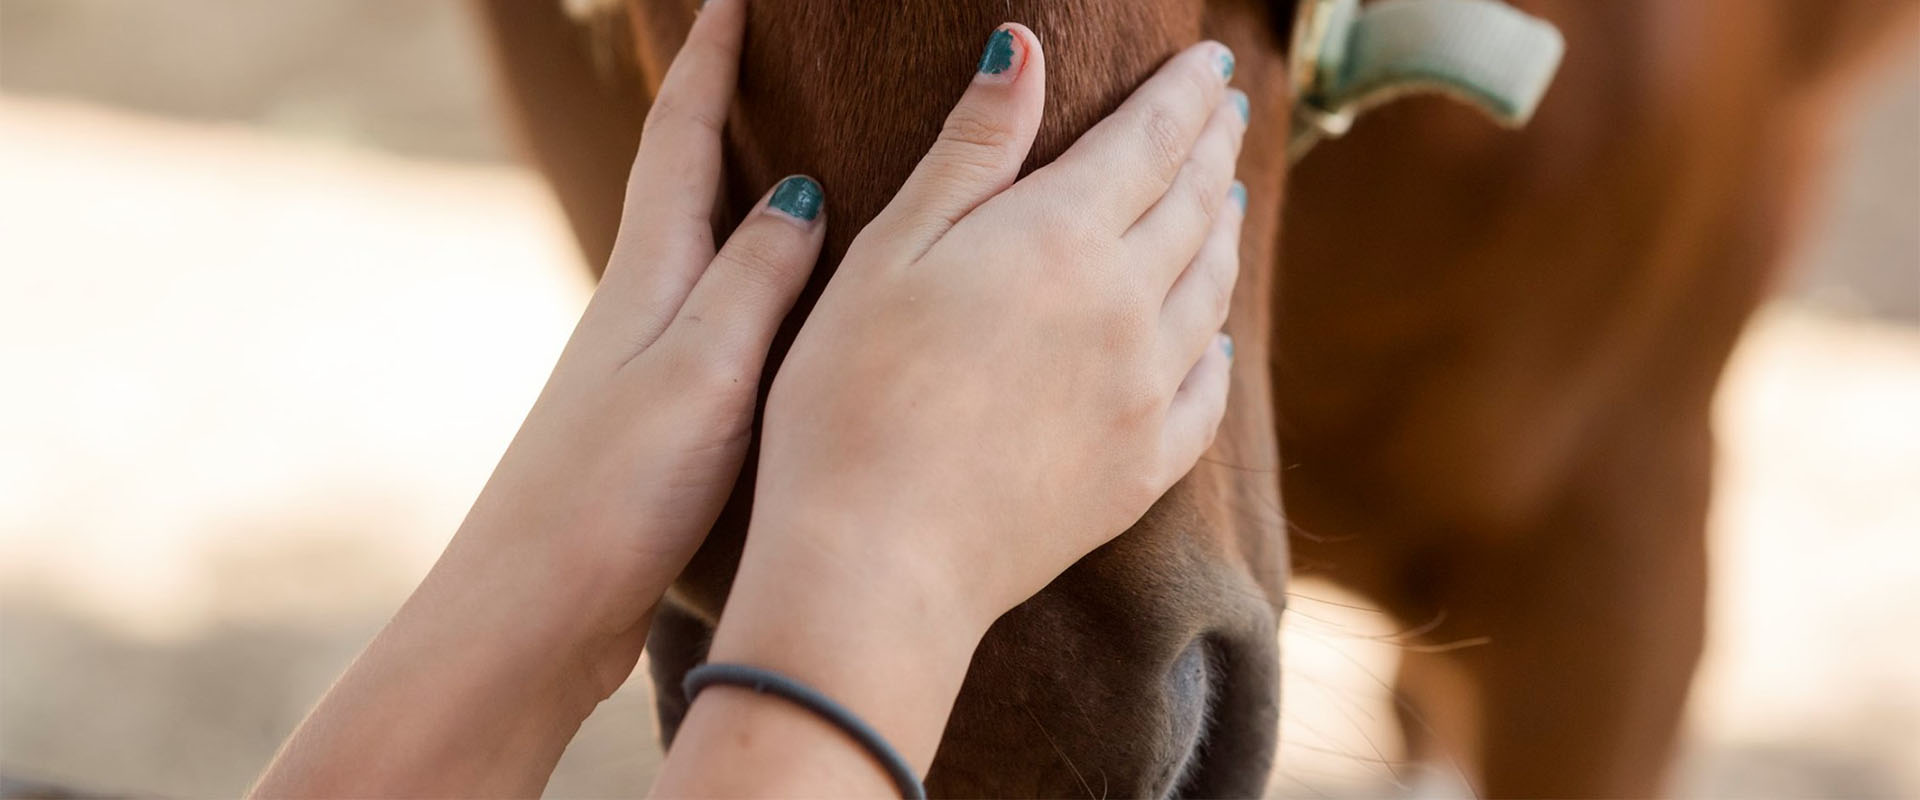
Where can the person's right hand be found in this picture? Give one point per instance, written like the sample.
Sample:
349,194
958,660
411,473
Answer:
999,380
1001,377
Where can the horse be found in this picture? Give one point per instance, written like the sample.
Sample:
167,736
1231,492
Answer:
1475,372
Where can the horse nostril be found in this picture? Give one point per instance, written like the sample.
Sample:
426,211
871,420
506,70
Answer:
1190,696
1187,680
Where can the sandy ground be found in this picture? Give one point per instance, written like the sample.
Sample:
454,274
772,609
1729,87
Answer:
252,383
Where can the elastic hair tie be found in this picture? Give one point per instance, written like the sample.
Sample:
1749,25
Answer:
766,681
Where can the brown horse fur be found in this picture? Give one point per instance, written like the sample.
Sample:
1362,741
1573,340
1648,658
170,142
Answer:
1486,356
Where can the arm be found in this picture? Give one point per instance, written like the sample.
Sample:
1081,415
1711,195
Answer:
474,688
1001,377
540,605
538,608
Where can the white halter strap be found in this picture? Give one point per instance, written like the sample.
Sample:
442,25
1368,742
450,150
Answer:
1348,58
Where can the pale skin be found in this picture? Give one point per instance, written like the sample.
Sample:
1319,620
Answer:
1000,377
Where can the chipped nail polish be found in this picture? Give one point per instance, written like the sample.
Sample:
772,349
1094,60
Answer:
998,57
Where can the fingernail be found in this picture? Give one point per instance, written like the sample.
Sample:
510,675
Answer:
1239,100
1225,61
1239,194
997,61
1226,344
798,197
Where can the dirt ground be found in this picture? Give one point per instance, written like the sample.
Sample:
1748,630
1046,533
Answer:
271,304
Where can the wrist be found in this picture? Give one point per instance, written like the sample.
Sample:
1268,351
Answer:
916,559
881,633
531,604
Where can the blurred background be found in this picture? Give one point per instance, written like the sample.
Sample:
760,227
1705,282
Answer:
274,294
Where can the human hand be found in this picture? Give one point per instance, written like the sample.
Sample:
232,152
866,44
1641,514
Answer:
634,445
1000,377
540,605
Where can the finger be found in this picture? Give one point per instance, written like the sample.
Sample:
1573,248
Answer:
1197,304
981,147
1144,142
1194,415
666,229
735,309
1176,226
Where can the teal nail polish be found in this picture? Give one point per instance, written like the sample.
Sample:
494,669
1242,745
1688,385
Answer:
1226,63
1239,195
798,197
1226,344
1239,99
999,53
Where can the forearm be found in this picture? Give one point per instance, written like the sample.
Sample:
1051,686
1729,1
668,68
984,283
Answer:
474,689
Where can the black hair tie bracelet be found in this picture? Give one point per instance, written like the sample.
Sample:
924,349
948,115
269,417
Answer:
766,681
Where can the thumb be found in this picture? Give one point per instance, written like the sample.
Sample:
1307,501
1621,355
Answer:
736,308
980,148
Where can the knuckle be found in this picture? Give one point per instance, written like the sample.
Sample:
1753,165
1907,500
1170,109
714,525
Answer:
1057,220
1091,248
1142,487
955,165
1220,280
724,374
1124,322
1136,408
709,51
976,137
1236,139
1134,491
1139,315
760,261
660,241
670,110
705,371
1203,188
1210,432
1068,244
1200,75
919,228
709,370
1161,141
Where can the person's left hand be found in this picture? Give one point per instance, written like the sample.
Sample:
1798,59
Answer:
625,461
540,605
